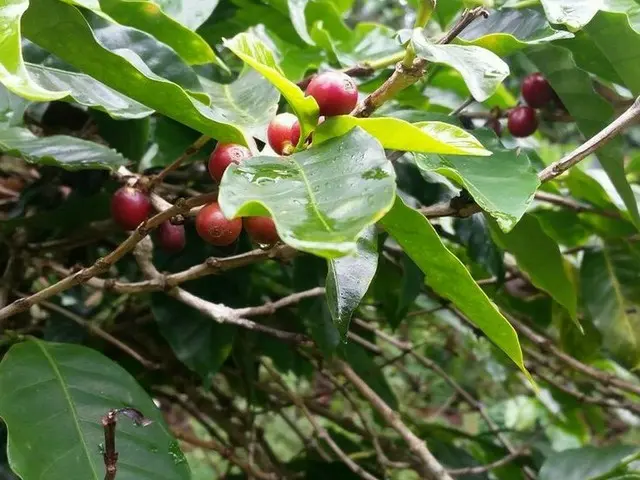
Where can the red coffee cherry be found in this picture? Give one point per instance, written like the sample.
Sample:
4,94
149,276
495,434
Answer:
130,207
261,230
215,228
283,133
171,238
536,90
224,155
495,125
522,121
335,92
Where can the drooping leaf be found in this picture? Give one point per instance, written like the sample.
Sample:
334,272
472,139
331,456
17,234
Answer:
62,151
483,71
298,19
257,55
53,396
586,463
590,112
321,199
502,184
575,14
190,13
348,280
509,30
13,73
123,71
250,102
611,293
149,17
474,233
397,134
198,341
88,91
540,258
448,277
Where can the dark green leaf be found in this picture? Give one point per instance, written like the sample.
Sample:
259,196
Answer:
53,398
349,278
448,277
62,151
321,199
128,137
190,13
502,184
587,463
474,234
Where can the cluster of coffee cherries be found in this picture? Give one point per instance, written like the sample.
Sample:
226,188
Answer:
336,94
522,120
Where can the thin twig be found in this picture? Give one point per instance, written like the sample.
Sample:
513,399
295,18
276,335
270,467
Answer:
490,466
190,151
574,205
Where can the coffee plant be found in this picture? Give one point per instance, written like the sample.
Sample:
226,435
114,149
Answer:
311,239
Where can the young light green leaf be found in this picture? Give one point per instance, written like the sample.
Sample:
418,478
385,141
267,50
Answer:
611,292
321,199
148,16
62,151
13,73
348,280
89,92
257,55
540,258
122,70
448,277
250,102
396,134
502,184
483,71
575,14
508,30
53,396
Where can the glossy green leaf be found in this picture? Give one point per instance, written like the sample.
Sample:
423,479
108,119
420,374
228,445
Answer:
296,12
62,151
89,92
123,71
448,277
502,184
590,112
53,396
483,71
611,293
13,73
190,13
509,30
250,102
474,234
575,14
321,199
197,341
397,134
257,55
12,108
368,43
348,280
540,258
149,17
587,463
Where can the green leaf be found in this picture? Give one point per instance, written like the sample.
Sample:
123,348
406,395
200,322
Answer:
483,71
124,71
366,368
321,199
368,43
397,134
88,92
474,233
128,137
611,293
348,280
53,396
190,13
448,277
197,341
257,55
250,102
587,463
147,16
540,258
168,141
590,112
506,31
13,73
575,14
299,21
502,184
70,153
12,108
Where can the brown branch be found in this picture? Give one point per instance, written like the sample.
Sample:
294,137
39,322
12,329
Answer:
491,466
110,455
574,205
190,151
270,308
